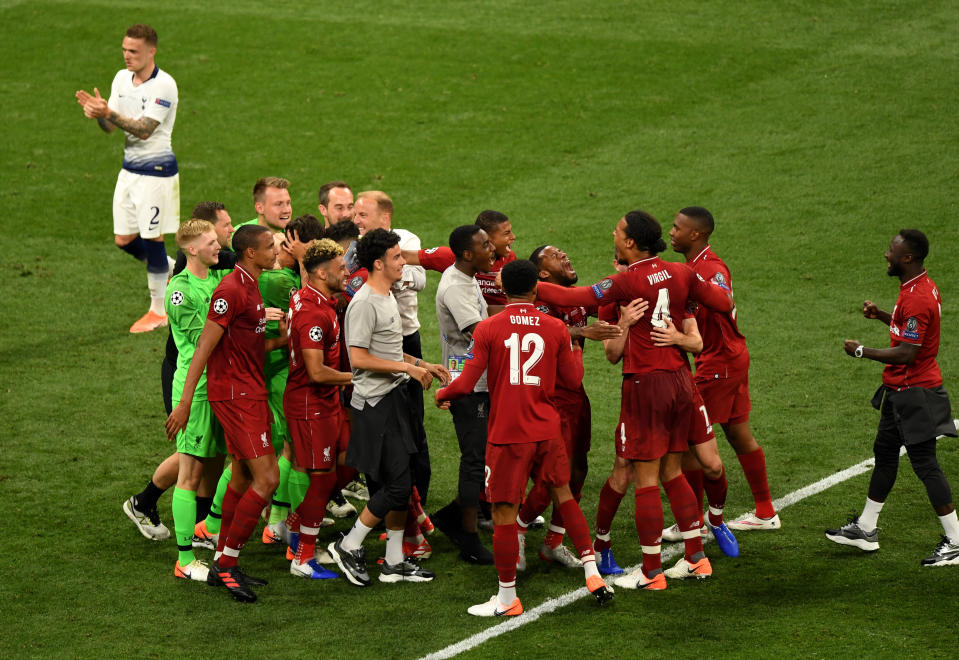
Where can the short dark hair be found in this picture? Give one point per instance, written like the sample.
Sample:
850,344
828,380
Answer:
207,211
342,229
487,220
142,31
461,239
916,242
645,231
374,245
307,227
535,254
519,277
701,216
325,189
247,236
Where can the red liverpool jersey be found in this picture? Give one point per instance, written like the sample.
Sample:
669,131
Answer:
667,286
235,368
915,320
313,326
573,317
723,344
441,258
524,352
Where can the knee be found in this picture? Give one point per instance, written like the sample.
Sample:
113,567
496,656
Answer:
122,241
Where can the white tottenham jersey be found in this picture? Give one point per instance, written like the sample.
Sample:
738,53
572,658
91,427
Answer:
155,98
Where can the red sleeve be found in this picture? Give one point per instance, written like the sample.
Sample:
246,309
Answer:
568,366
438,258
609,313
472,370
356,280
313,331
915,315
709,294
226,304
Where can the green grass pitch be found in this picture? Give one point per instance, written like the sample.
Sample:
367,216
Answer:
814,131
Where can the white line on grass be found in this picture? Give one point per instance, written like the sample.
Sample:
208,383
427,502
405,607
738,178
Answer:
561,601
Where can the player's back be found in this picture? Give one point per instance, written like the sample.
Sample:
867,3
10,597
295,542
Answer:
666,285
527,352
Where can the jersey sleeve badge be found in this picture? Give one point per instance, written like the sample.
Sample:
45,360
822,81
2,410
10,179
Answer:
316,333
176,298
220,306
912,324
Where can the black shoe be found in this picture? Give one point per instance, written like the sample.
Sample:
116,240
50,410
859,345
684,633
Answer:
351,562
449,520
251,580
473,551
232,579
408,570
603,595
337,497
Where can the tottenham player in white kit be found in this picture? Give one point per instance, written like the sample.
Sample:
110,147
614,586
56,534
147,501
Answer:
146,201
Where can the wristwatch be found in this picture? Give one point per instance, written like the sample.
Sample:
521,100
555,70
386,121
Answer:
858,352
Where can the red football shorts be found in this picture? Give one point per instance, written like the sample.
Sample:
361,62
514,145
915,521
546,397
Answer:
727,399
655,414
700,428
246,427
317,441
509,468
575,418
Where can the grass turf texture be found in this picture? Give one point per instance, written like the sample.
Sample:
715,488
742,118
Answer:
813,131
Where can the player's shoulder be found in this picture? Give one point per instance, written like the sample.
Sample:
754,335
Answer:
164,79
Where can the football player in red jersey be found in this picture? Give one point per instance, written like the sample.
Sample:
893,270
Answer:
500,231
722,368
658,395
311,401
914,406
523,351
232,349
572,404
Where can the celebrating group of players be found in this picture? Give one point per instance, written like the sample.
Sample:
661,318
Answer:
298,352
295,348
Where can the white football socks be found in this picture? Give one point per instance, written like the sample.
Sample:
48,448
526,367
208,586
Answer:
870,515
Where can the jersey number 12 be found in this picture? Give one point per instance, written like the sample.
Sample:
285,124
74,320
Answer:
532,344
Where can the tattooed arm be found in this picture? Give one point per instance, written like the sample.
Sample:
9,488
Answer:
95,107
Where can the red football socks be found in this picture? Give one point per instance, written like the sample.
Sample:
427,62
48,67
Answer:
505,552
754,467
649,526
609,500
683,503
244,520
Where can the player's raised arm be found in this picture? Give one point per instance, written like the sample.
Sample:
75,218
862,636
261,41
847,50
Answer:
871,311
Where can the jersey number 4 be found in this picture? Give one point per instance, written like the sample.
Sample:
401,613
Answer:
531,344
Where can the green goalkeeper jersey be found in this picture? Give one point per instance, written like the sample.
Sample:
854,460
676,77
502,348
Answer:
276,287
187,305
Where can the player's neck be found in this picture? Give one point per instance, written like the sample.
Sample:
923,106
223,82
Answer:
251,268
142,75
911,272
466,268
695,249
197,268
379,283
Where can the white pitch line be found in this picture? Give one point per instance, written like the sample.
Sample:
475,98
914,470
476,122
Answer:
553,604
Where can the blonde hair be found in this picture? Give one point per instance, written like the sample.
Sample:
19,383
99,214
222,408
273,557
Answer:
190,230
319,252
259,188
